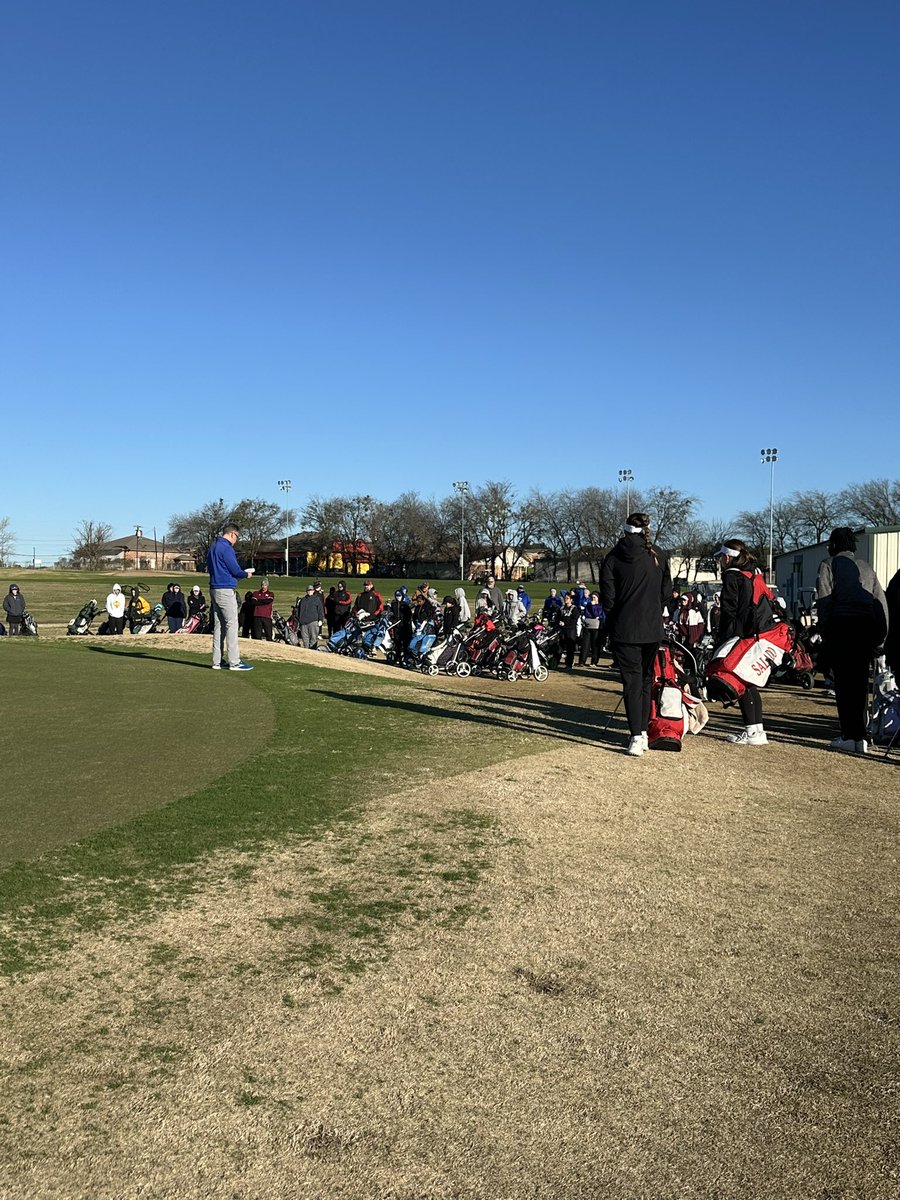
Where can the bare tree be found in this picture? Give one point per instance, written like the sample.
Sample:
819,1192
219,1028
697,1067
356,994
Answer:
90,537
874,503
787,529
406,531
198,530
7,541
557,515
503,525
670,511
341,522
595,515
817,513
260,521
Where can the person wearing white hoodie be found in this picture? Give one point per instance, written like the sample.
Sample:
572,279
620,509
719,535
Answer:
115,607
465,613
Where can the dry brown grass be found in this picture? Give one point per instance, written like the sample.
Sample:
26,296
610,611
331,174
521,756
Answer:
573,976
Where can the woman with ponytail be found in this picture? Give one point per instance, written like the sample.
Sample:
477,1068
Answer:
634,586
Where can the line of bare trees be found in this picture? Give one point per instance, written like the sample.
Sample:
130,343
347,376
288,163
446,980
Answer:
573,528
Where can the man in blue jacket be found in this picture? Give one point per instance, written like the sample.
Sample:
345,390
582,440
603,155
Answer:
224,573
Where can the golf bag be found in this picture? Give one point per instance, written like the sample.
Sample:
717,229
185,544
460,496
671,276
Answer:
884,719
196,623
150,622
81,624
740,661
29,624
520,656
446,655
285,630
673,711
797,665
421,644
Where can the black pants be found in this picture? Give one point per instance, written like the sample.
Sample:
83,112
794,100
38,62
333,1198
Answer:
750,705
116,625
16,626
635,662
851,647
567,651
262,629
590,646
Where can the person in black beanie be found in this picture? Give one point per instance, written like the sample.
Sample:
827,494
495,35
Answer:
634,586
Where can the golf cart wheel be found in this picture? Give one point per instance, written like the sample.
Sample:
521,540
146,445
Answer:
806,680
431,669
361,653
463,670
541,673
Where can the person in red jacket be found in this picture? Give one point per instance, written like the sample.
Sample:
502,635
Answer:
263,599
368,602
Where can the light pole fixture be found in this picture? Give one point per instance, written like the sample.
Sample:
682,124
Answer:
461,486
627,477
138,534
285,485
770,455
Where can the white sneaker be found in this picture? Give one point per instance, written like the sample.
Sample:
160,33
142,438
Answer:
745,738
861,747
636,746
845,745
645,740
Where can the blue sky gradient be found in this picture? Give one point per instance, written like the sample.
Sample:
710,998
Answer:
373,247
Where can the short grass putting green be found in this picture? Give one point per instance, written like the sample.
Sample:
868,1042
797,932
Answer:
112,819
97,737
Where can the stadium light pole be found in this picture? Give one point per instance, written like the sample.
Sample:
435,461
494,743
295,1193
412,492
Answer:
626,476
462,490
285,485
770,456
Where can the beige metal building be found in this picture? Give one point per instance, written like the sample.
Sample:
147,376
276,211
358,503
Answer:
795,571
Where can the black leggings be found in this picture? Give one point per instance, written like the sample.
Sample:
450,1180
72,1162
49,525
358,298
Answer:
751,705
635,662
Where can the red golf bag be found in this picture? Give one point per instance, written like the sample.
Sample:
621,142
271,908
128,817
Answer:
673,711
740,661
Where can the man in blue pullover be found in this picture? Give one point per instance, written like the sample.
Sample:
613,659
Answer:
224,572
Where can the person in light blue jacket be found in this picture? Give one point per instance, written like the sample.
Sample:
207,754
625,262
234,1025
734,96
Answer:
224,573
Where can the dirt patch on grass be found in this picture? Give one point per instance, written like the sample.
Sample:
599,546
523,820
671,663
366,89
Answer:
572,975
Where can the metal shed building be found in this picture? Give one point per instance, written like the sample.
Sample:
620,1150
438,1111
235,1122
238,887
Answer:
796,570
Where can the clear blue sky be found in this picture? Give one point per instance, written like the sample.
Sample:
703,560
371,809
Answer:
378,246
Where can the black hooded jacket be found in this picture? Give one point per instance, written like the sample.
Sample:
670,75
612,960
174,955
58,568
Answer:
633,590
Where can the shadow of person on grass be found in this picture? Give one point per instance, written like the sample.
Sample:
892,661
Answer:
564,722
149,653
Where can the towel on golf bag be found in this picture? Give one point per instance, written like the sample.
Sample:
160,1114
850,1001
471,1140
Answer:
673,711
740,661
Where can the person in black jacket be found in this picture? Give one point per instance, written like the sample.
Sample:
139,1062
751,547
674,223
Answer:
569,625
14,607
892,642
634,586
738,619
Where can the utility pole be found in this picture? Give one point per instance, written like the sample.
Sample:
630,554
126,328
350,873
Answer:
462,490
770,456
285,485
627,477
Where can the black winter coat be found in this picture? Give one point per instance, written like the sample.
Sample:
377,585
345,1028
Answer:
633,591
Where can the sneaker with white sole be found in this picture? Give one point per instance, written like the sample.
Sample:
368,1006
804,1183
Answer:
220,666
845,745
242,666
861,747
636,746
746,738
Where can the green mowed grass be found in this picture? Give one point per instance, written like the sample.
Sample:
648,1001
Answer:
98,738
161,790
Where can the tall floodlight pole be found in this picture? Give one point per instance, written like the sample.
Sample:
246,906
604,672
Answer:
285,485
770,456
626,477
462,490
138,534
